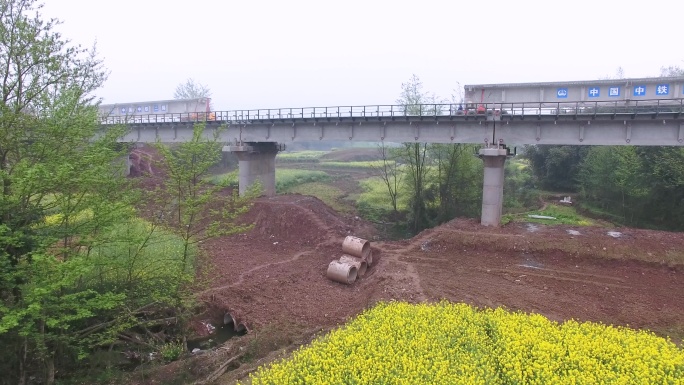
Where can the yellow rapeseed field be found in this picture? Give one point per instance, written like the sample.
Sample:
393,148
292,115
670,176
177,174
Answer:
446,343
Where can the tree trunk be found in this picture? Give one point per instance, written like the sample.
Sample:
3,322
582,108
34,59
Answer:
22,363
50,370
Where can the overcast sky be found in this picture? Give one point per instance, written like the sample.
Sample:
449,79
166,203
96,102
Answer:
295,53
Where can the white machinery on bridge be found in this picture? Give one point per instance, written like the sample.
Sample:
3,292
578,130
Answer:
618,95
184,109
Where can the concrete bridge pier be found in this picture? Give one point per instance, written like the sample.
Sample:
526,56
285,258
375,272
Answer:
492,190
256,162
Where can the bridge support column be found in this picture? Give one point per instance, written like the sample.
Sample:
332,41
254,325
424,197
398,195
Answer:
492,188
256,162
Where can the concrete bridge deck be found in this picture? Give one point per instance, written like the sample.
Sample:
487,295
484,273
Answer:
657,122
255,134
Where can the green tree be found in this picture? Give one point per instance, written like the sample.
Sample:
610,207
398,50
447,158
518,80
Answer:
519,188
458,179
555,167
444,180
78,270
414,157
192,207
188,203
664,174
671,71
192,90
612,178
415,101
60,189
390,173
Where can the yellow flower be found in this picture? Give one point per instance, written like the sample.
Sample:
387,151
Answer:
447,343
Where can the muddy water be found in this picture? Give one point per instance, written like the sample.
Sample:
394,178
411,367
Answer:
220,335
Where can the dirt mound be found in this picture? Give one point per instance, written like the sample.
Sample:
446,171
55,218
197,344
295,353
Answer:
145,168
144,162
300,220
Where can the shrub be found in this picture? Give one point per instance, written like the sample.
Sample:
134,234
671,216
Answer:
171,351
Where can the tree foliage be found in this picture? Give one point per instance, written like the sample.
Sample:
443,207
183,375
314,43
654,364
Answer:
59,192
442,180
191,90
416,101
458,180
389,173
79,271
670,71
638,186
189,203
555,167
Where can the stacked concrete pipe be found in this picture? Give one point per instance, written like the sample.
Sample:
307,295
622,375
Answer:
369,258
360,264
358,247
354,263
342,272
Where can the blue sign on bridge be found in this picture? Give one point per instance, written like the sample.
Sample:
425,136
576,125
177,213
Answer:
662,89
594,92
639,90
562,93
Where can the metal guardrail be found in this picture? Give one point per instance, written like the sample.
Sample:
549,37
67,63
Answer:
499,110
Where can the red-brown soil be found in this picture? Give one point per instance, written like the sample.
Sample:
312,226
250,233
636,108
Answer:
277,270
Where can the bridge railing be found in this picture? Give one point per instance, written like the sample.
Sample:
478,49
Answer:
499,110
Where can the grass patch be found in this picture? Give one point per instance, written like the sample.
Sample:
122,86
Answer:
133,254
374,202
288,178
565,215
285,178
330,195
597,212
366,165
299,156
229,178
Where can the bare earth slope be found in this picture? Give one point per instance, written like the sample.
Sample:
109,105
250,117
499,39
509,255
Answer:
277,270
275,273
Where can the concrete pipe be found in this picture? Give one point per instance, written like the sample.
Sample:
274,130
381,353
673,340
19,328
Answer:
356,246
241,328
232,319
369,258
342,272
228,319
360,264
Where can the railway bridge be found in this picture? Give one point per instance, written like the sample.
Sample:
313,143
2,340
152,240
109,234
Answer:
643,112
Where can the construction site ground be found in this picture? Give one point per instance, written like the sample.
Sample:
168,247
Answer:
275,274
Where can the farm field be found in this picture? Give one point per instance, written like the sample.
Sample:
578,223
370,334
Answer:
446,343
273,276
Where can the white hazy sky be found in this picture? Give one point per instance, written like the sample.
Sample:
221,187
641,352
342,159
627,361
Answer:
296,53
